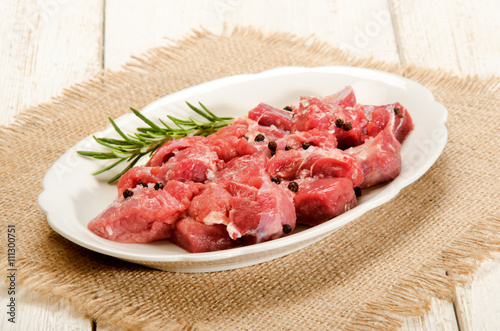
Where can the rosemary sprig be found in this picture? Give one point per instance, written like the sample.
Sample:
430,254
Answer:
148,139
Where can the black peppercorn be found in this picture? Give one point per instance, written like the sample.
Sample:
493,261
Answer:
245,137
306,145
287,108
339,122
293,186
159,186
357,191
272,146
288,147
275,180
127,193
347,126
142,184
287,228
260,137
398,112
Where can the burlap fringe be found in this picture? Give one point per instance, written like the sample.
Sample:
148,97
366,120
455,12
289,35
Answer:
438,279
411,297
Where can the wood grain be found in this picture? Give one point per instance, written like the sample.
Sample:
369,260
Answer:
477,303
41,312
458,36
441,317
363,27
46,46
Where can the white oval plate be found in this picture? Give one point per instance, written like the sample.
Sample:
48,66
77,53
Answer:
71,196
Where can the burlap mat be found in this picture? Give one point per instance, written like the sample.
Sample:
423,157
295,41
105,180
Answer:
370,274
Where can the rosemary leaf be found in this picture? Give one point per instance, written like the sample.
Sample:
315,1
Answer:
108,167
146,120
117,129
208,115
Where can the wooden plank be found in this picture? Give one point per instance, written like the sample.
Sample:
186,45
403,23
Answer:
459,36
46,46
360,26
477,303
35,311
441,317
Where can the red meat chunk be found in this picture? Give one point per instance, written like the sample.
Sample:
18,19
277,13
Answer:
196,237
267,115
344,98
315,113
254,129
350,137
320,200
270,134
336,163
168,150
379,158
242,169
244,121
400,124
315,162
196,163
229,147
135,175
226,142
212,206
146,216
234,130
184,191
318,138
259,214
286,164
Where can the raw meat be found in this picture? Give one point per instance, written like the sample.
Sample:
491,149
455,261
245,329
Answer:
184,191
393,116
314,137
267,115
212,206
136,175
319,200
315,162
165,152
379,158
195,163
316,113
243,169
146,216
196,237
259,214
253,180
229,147
344,98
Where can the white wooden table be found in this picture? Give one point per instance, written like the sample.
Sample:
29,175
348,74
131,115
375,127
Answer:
47,45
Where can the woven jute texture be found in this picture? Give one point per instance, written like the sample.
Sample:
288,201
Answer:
370,274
